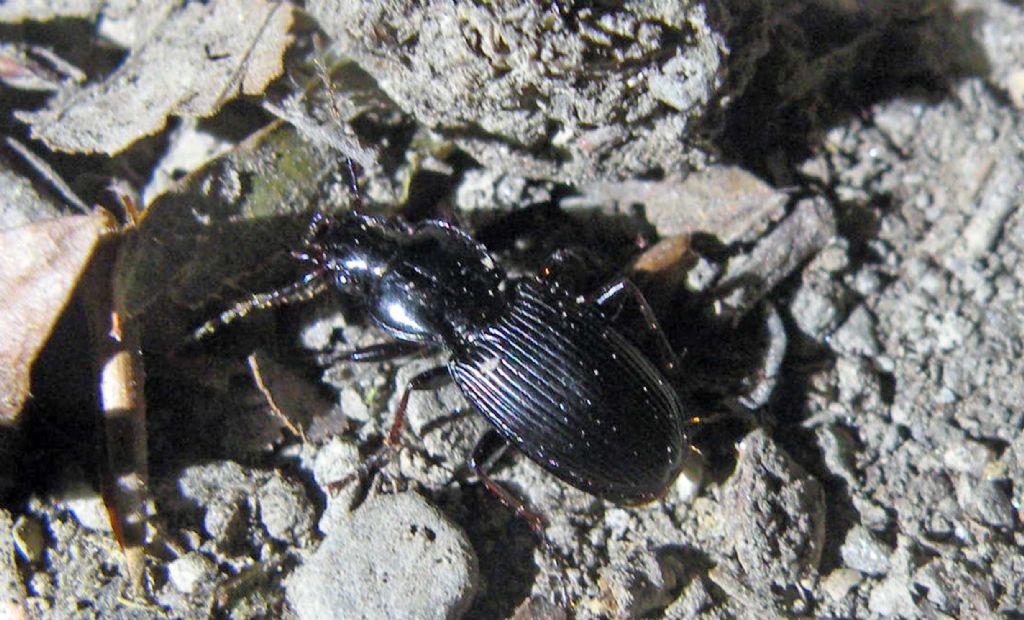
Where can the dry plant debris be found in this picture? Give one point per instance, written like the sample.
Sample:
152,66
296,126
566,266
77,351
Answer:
215,51
40,264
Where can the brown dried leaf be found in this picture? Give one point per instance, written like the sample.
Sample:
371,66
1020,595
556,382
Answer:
668,253
724,201
197,58
40,264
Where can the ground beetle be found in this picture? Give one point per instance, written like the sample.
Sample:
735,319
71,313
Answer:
545,367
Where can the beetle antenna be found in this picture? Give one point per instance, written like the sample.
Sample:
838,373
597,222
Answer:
339,119
309,287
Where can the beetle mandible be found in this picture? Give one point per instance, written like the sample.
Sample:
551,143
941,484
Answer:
546,368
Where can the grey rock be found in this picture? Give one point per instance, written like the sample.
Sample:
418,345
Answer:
285,510
771,495
318,334
966,594
986,501
857,335
86,505
702,275
694,599
222,489
817,306
226,521
866,281
967,457
394,557
998,198
839,582
838,447
27,535
490,189
191,571
952,331
858,384
892,599
332,461
353,405
637,584
872,515
865,553
214,481
514,70
12,589
833,259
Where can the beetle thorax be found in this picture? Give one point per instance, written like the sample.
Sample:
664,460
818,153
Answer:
439,287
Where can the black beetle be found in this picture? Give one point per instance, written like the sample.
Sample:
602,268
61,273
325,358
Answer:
545,367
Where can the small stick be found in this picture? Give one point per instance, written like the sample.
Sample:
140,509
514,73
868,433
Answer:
48,173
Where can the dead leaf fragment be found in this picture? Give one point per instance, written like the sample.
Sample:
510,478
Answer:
199,57
724,201
40,264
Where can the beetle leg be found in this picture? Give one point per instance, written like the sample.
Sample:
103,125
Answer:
568,268
430,379
487,451
613,293
382,352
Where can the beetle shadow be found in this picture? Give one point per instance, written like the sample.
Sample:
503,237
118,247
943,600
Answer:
504,546
584,248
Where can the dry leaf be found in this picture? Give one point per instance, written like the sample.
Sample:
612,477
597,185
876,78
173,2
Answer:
22,204
669,253
724,201
40,264
199,57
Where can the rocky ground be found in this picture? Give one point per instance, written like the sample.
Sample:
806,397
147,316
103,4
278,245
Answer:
839,185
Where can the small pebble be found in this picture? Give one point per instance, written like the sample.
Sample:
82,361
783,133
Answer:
857,335
285,510
863,552
839,582
188,571
396,556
